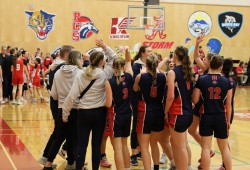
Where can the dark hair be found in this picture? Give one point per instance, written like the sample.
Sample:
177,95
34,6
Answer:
118,64
171,55
65,50
216,62
141,50
95,58
23,52
227,67
12,51
152,63
187,71
53,56
241,63
18,54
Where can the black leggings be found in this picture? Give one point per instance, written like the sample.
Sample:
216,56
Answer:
90,120
65,131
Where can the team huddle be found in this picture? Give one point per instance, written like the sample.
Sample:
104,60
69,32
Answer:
161,100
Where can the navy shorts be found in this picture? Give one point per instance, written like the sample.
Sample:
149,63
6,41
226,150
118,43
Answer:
180,123
214,124
150,121
117,125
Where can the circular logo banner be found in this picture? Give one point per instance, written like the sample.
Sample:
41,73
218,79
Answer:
199,22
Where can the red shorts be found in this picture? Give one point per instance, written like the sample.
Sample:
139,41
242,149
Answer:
16,80
36,82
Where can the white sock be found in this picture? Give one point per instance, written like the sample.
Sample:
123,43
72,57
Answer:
189,167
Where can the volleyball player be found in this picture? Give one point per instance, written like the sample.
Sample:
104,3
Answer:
151,122
226,70
18,70
178,108
119,115
165,134
214,90
198,108
35,79
137,101
91,114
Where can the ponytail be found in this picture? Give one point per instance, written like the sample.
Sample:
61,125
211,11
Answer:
152,63
118,64
187,71
18,54
95,58
141,50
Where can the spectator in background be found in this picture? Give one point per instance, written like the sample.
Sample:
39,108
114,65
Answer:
8,50
8,63
3,55
240,74
248,71
38,53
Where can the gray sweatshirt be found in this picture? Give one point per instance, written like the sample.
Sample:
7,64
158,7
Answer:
62,84
95,97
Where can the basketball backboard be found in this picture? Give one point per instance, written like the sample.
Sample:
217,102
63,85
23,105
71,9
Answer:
145,16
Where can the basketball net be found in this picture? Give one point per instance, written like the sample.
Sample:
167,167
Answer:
148,29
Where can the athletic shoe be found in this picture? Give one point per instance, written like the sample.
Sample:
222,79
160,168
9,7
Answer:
13,101
43,161
133,160
200,167
105,163
163,159
42,99
70,167
221,168
19,102
33,100
62,153
138,156
212,153
172,167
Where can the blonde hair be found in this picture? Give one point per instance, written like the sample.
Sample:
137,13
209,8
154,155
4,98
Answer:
152,63
118,64
74,58
95,58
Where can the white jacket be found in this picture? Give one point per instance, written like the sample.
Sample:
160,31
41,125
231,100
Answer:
62,84
95,97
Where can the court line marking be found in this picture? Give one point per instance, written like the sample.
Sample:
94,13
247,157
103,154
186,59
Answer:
218,152
8,156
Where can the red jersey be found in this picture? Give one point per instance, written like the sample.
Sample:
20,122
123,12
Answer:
18,69
47,61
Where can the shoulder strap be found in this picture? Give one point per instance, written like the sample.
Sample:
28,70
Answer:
87,88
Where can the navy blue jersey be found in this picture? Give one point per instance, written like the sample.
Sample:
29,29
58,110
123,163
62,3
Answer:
214,88
233,87
136,96
153,95
182,104
122,93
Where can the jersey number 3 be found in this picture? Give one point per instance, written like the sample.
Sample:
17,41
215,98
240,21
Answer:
125,93
153,92
214,92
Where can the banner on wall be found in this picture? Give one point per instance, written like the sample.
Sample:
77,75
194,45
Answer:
230,23
151,33
119,28
83,27
199,23
41,22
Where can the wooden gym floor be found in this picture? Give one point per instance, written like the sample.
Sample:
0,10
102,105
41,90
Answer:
25,129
